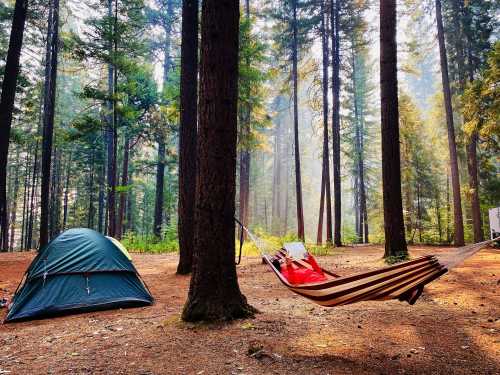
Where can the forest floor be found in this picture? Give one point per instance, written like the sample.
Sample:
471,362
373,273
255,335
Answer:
452,329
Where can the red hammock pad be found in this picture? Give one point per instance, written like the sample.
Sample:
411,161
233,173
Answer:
301,275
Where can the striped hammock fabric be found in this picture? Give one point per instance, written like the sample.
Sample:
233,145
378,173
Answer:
404,281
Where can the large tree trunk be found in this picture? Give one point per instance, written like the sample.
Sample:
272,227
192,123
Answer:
455,177
474,187
362,194
9,83
91,209
276,202
395,244
357,148
130,207
102,178
362,184
160,181
335,30
31,219
245,152
66,189
111,179
13,209
56,195
188,134
325,174
111,132
472,162
298,179
319,234
48,116
25,202
160,166
123,183
287,180
214,293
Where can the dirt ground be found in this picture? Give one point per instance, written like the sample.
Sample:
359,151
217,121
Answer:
453,328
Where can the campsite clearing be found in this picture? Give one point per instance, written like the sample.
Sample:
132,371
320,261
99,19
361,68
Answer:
454,328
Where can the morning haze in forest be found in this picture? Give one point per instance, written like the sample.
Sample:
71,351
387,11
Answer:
174,161
328,122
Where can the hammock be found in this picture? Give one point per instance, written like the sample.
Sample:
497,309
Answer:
404,281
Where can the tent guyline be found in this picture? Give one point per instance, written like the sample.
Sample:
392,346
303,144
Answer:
403,281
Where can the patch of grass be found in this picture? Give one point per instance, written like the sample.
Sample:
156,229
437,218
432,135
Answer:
150,244
393,259
137,243
272,244
320,250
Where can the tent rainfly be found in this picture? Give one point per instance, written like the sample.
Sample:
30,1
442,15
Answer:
80,270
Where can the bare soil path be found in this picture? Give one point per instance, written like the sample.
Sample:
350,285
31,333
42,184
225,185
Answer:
453,329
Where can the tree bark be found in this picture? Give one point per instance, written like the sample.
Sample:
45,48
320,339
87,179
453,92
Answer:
124,184
91,209
319,235
102,178
48,117
245,153
34,183
477,224
111,130
326,151
214,293
56,196
244,187
276,203
13,209
335,26
25,202
287,180
160,181
455,177
9,84
160,167
395,244
472,162
298,179
188,134
357,149
66,189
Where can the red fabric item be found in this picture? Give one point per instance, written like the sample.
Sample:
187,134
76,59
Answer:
296,275
312,261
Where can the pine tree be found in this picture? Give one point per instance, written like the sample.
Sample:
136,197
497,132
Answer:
214,293
395,243
9,83
325,173
335,34
188,134
48,115
455,178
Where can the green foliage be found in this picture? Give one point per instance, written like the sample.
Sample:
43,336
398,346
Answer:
253,75
481,102
150,244
481,109
274,243
468,27
421,176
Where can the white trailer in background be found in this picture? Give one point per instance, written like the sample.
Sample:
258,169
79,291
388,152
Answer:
495,222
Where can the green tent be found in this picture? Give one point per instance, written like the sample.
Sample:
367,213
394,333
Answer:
80,270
